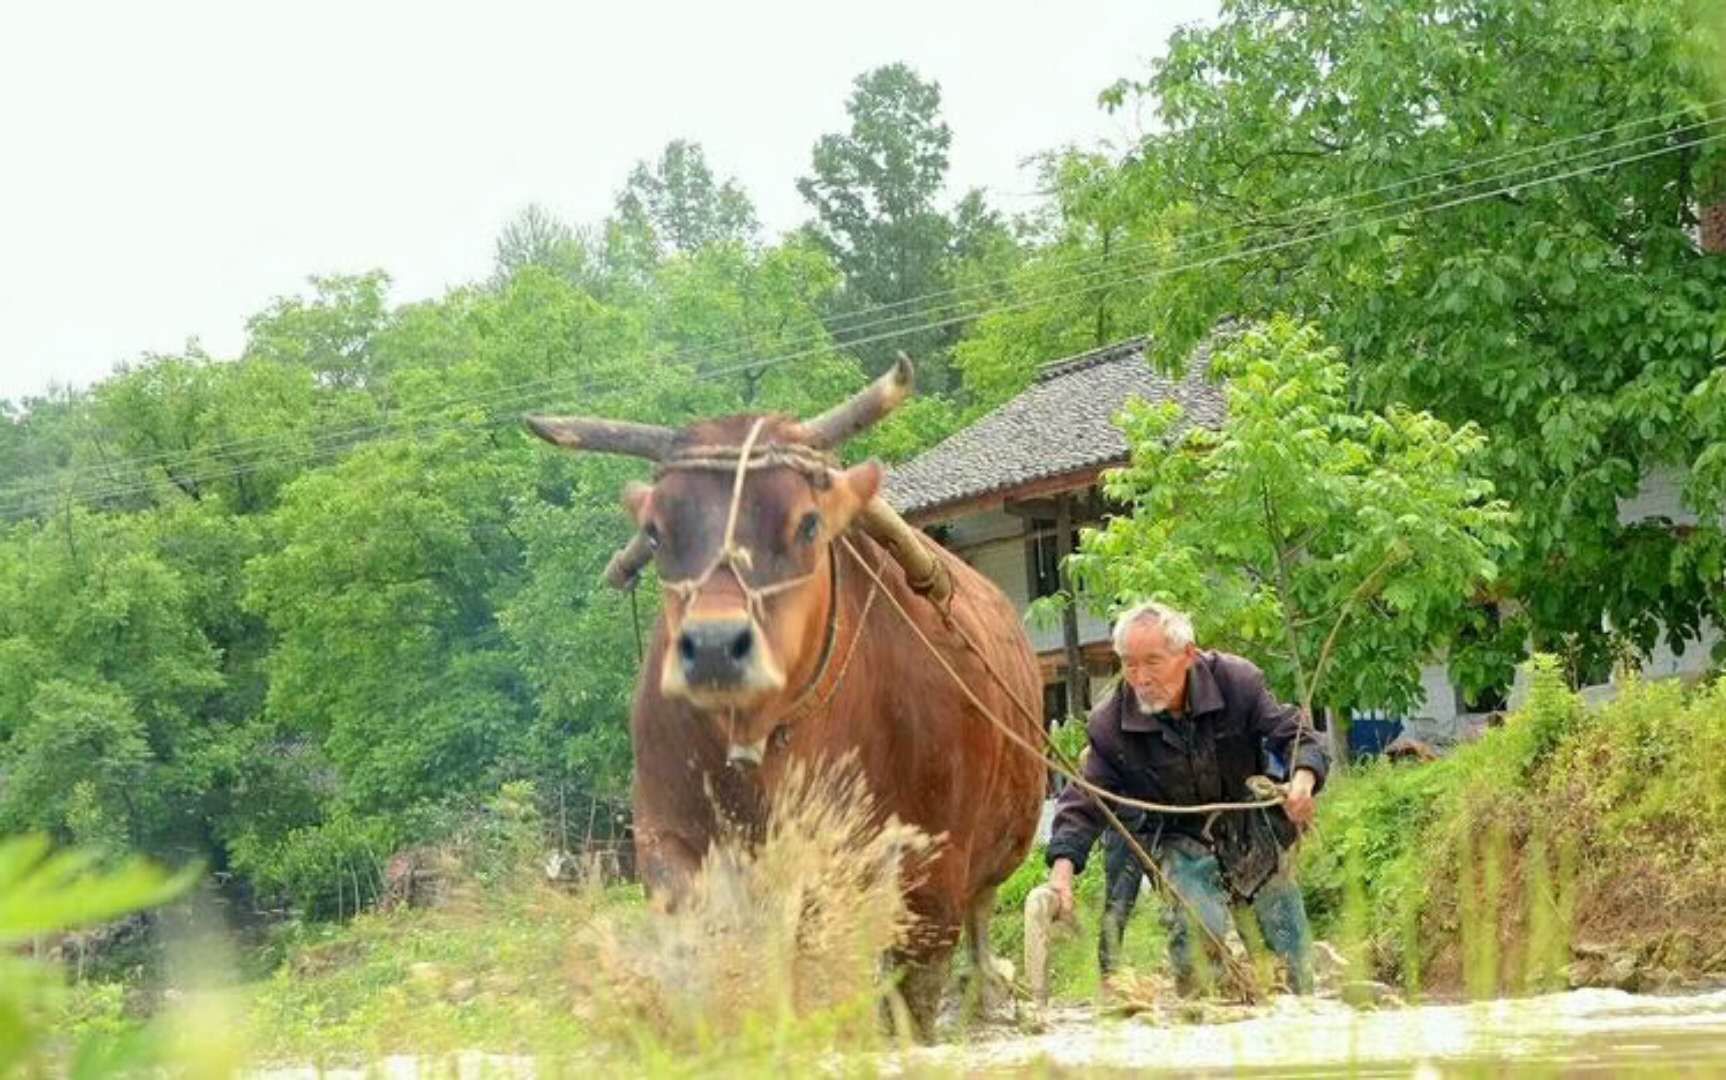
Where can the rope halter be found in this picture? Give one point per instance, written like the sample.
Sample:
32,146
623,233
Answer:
737,558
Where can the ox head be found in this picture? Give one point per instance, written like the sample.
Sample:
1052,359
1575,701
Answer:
746,625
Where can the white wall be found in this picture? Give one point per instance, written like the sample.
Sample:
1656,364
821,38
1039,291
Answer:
1658,496
1091,629
1003,562
973,529
993,542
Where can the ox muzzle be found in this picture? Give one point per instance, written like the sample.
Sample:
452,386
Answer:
722,661
717,653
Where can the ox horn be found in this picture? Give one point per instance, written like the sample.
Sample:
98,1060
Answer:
607,436
626,565
861,410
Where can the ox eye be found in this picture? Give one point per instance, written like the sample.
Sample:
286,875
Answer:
809,528
651,532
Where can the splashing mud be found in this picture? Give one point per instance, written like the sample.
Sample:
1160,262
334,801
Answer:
1600,1031
1582,1032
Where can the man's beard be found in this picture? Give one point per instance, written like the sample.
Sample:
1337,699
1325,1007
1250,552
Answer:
1148,708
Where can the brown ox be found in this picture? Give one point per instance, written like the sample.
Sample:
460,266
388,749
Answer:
781,654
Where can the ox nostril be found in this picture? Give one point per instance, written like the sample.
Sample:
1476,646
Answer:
716,652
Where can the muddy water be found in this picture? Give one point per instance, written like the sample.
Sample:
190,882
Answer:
1583,1032
1593,1033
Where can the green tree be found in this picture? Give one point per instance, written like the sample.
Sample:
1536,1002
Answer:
331,334
675,205
536,237
725,308
39,437
1338,548
874,190
81,768
388,673
177,428
1075,291
437,622
105,680
1571,320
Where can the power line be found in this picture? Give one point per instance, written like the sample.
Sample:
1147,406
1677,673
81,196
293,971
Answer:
737,347
1314,204
1108,264
433,426
436,426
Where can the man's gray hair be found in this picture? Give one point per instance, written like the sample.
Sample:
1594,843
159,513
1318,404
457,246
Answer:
1176,626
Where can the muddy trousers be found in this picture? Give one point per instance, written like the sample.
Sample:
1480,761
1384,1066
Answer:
1278,907
1122,876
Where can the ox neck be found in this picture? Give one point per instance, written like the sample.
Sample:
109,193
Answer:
829,642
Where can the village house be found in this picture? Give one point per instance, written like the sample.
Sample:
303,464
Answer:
1009,493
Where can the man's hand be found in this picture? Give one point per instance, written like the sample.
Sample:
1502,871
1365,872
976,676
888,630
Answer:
1298,805
1061,881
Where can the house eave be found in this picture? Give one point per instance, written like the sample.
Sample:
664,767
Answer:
981,502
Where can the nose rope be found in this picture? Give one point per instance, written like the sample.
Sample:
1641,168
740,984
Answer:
737,486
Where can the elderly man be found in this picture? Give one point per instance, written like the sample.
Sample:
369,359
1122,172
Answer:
1188,727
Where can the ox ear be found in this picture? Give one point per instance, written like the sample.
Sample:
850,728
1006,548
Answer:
851,492
637,501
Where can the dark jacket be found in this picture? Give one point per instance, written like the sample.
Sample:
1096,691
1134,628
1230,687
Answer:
1203,757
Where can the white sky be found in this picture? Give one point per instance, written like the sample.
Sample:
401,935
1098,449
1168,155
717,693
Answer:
166,168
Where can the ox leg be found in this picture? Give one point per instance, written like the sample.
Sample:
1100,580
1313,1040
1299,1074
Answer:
992,977
666,864
922,981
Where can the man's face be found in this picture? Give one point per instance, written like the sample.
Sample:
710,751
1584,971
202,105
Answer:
1156,671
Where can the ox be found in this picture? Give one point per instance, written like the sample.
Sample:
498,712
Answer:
770,648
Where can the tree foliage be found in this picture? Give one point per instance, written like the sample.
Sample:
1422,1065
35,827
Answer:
1340,547
876,191
1075,291
302,607
536,237
1575,321
676,205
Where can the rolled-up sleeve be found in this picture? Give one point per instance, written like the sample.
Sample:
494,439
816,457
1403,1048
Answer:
1282,729
1078,821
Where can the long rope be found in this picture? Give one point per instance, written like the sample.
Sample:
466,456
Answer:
1239,975
635,616
1060,764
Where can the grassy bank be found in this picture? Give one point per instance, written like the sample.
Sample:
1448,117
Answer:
1574,845
489,971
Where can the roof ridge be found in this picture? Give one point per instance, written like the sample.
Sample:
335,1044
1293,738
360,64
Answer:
1062,423
1103,354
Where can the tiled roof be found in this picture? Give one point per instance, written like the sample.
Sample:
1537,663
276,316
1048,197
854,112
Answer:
1059,424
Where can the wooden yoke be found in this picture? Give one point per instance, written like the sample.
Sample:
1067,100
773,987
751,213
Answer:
924,571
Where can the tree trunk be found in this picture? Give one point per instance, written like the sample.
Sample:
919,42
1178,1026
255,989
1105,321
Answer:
1336,728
